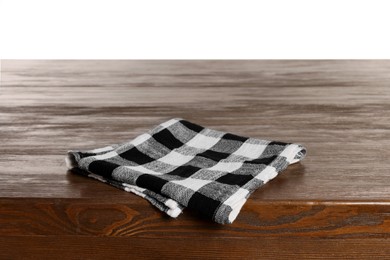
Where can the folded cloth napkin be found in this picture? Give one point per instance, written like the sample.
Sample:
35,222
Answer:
180,164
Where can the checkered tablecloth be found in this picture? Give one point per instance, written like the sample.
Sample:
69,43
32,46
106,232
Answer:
180,164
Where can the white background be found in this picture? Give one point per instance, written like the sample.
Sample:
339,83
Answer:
200,29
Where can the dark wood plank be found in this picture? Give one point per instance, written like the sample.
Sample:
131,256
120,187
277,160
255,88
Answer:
65,247
85,217
338,109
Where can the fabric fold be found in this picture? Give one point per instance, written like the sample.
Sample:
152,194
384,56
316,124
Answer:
179,164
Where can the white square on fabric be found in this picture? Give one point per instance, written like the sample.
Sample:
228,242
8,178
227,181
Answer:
251,151
236,197
226,166
106,155
203,142
267,174
104,149
140,139
175,158
236,201
193,184
169,123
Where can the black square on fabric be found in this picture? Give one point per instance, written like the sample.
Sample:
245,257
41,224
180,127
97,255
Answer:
184,171
166,138
234,137
193,127
203,204
150,182
234,179
215,156
102,168
267,160
136,156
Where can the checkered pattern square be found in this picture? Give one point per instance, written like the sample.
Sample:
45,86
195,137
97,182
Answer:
180,164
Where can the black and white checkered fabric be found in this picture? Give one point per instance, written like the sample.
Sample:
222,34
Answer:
179,164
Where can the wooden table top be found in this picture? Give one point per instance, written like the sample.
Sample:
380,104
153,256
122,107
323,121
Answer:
339,110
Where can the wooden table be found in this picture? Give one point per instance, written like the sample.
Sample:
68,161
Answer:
336,203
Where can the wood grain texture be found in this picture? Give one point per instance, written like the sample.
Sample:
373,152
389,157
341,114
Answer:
199,248
338,197
83,217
